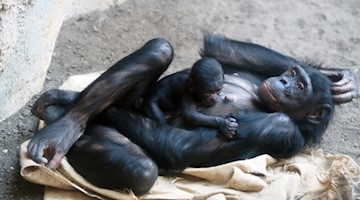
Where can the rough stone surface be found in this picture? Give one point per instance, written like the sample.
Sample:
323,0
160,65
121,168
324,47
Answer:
28,31
81,7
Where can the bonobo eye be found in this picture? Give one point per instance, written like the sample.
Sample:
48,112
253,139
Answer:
292,73
300,86
208,93
213,91
217,91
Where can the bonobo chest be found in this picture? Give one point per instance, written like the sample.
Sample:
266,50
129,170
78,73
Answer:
238,95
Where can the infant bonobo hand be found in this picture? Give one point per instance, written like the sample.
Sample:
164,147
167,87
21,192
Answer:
227,126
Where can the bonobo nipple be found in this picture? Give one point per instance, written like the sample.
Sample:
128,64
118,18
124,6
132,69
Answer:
229,98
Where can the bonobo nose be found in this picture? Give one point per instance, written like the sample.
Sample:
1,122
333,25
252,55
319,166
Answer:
214,98
284,80
209,102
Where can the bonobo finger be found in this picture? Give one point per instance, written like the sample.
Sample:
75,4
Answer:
55,161
229,135
36,153
342,89
38,157
40,160
344,98
341,82
232,119
346,77
234,124
232,128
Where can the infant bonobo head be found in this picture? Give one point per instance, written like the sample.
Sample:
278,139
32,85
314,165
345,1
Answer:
206,80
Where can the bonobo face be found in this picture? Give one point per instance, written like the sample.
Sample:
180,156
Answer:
288,93
209,96
206,80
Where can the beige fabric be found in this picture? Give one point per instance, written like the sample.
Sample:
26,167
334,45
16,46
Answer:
311,175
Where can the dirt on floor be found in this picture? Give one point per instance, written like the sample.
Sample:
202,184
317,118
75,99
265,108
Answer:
325,31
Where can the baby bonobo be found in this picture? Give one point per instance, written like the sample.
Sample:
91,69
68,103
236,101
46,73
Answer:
185,90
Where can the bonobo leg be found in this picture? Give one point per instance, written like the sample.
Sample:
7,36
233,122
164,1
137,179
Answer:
171,148
109,160
101,149
122,83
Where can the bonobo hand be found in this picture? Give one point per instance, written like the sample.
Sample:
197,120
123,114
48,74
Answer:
344,86
227,126
57,138
345,89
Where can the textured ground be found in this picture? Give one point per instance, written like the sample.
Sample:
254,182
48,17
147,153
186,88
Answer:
323,30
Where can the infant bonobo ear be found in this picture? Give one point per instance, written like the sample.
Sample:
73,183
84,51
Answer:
321,111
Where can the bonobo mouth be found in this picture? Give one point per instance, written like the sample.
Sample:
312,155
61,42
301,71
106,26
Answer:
267,96
265,93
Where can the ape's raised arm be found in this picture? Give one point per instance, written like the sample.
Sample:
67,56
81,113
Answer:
235,55
240,55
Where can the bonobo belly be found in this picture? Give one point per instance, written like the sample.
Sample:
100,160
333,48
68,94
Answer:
238,95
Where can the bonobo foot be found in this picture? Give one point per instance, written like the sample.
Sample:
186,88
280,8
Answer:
61,134
53,104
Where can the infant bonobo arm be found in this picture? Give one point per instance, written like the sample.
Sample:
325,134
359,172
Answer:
190,115
124,82
153,111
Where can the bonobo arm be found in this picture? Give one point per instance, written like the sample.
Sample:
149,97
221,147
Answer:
190,115
124,82
235,55
274,134
246,56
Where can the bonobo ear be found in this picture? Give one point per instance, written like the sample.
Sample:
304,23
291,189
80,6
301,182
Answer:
321,111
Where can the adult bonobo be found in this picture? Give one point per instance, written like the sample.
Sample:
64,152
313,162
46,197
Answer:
114,146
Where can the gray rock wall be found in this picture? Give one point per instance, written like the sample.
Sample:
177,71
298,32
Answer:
28,31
